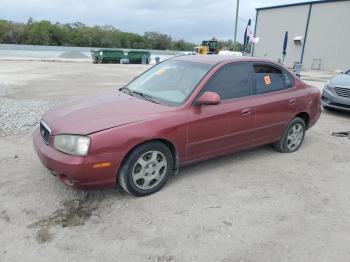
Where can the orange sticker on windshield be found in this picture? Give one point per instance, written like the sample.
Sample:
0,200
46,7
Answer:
267,80
160,72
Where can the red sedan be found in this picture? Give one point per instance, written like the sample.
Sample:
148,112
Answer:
184,110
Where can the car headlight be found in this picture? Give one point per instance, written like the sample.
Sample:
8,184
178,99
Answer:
327,87
72,144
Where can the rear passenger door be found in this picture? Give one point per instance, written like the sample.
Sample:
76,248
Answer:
275,101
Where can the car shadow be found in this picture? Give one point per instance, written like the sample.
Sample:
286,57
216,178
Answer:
335,112
214,163
84,204
118,194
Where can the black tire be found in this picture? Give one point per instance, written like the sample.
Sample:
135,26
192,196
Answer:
130,164
284,144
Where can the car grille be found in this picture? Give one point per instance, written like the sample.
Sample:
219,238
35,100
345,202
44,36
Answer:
341,91
45,131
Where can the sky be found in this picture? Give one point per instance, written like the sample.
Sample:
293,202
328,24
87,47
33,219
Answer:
191,20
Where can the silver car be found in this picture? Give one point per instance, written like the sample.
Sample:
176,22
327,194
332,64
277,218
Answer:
336,93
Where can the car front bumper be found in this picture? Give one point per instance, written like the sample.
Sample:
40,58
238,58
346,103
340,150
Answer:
331,100
75,171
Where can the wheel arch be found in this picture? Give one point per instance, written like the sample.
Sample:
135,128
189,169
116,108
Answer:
305,117
167,142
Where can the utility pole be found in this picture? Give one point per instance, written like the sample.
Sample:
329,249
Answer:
235,38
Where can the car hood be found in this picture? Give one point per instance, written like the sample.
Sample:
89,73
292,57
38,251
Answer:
341,80
93,114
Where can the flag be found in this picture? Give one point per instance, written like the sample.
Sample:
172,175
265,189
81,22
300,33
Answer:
249,36
285,43
246,38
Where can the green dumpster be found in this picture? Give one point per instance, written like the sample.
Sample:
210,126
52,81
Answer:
139,57
107,55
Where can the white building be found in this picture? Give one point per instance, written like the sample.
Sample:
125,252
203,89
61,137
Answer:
319,34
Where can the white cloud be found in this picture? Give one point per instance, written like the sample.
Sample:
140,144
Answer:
188,19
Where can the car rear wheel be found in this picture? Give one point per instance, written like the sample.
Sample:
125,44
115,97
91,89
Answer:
146,169
292,138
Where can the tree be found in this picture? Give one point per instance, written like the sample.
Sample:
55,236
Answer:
157,40
182,45
38,33
77,34
230,45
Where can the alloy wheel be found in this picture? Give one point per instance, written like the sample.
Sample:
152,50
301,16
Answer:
149,170
295,136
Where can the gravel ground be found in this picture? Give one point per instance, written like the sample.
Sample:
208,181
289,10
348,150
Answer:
20,116
257,205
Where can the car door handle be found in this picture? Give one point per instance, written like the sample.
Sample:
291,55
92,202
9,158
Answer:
246,112
292,101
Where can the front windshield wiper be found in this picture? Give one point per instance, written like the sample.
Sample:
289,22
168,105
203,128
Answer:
126,90
143,95
147,97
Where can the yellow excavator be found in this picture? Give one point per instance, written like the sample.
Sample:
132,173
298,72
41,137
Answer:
208,47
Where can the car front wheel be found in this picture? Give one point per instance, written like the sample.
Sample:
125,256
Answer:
146,169
292,138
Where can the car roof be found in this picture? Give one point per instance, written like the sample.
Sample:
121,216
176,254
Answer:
215,59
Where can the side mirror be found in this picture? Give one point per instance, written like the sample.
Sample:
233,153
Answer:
209,98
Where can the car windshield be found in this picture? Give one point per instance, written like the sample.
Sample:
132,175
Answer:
347,72
170,82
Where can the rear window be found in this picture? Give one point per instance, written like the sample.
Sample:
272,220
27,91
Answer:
269,78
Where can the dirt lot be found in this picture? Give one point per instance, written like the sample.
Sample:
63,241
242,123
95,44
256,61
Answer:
258,205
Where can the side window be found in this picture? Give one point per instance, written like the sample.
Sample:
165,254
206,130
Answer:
231,81
288,80
269,79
